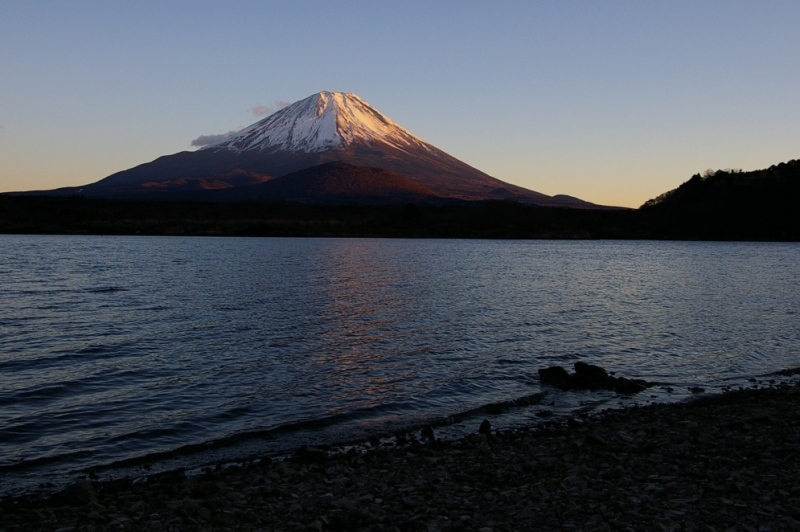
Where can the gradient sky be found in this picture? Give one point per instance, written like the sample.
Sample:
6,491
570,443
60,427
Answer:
611,101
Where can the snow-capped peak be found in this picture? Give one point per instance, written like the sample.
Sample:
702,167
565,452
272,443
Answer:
320,122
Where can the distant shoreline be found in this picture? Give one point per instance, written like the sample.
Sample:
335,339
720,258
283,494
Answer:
483,220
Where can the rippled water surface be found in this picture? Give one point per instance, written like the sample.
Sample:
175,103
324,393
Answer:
114,348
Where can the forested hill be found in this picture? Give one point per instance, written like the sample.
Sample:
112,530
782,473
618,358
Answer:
730,204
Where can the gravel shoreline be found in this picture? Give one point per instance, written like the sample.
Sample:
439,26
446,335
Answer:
724,462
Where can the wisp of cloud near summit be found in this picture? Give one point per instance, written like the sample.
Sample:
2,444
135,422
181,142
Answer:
258,111
207,140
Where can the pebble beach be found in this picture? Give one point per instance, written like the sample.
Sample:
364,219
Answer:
719,462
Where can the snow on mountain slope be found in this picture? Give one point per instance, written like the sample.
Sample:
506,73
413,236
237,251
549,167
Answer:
321,122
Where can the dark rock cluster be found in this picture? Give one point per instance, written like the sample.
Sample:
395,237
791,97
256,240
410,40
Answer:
590,377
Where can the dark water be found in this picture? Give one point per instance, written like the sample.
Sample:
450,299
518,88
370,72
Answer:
114,348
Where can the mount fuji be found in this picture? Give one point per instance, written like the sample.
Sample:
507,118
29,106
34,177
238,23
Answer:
329,147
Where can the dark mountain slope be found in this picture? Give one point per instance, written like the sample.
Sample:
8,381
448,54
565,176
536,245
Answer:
338,183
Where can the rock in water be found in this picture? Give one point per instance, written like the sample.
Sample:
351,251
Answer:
589,376
555,376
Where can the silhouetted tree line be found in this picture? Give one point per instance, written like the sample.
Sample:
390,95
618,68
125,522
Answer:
493,219
730,205
717,205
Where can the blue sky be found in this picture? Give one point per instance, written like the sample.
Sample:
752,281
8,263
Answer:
611,101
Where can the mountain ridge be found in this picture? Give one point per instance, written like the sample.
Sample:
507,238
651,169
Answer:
322,128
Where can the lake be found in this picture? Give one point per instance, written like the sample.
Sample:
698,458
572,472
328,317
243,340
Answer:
184,351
